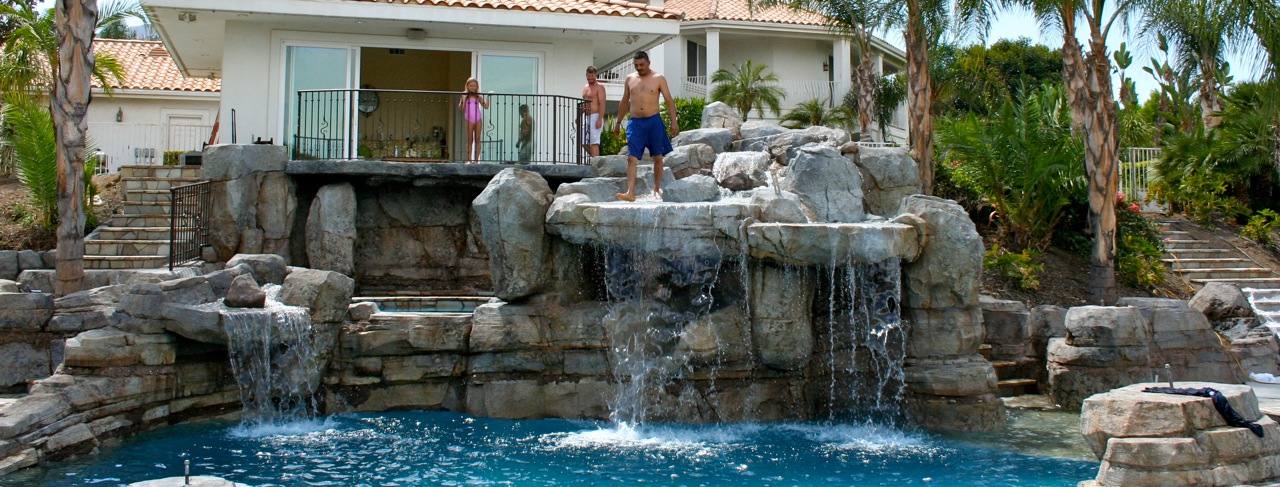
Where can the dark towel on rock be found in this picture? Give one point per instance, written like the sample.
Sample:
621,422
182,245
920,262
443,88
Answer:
1219,402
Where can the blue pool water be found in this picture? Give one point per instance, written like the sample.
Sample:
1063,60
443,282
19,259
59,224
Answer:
435,448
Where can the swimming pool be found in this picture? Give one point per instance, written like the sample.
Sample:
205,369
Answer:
438,448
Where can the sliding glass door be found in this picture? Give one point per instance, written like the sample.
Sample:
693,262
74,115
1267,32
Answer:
319,125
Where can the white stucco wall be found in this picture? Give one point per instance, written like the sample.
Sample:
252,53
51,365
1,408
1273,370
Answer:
144,125
253,81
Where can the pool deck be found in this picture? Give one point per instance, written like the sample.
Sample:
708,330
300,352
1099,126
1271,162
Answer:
1268,398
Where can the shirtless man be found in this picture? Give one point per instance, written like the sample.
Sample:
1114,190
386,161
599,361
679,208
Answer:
645,130
594,94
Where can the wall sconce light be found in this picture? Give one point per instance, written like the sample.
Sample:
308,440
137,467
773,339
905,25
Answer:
826,67
415,34
120,114
186,16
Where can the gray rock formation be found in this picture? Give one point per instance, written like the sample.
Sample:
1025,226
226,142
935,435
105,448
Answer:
266,268
331,229
9,265
780,321
1156,440
245,293
1220,301
327,294
29,259
598,190
25,311
252,202
778,206
693,189
758,129
687,160
512,210
610,166
717,139
742,170
717,115
1105,348
888,175
827,183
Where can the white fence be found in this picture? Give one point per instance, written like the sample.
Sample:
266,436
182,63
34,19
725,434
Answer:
126,144
1137,169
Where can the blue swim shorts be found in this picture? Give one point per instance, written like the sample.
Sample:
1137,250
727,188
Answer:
647,133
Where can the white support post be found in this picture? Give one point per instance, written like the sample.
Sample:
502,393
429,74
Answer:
713,55
841,57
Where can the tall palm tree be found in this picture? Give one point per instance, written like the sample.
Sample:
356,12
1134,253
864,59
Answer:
924,23
858,20
748,86
1093,111
1201,34
815,112
29,59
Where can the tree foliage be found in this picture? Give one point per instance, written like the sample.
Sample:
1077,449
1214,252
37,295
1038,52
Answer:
817,112
749,86
977,79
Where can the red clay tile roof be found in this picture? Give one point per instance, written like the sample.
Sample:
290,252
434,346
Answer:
147,66
741,10
620,8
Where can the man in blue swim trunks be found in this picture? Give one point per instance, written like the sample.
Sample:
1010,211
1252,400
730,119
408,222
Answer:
645,130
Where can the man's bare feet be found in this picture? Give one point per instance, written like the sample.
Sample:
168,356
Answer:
626,197
657,193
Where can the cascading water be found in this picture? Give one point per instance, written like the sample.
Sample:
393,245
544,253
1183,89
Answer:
274,360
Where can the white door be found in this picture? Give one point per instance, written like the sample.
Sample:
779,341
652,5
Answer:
507,75
318,124
186,132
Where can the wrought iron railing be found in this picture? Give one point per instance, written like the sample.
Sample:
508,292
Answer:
430,126
188,222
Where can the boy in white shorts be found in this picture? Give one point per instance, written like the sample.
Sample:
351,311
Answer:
594,94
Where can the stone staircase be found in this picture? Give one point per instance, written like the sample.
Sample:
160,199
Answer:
1201,261
1266,304
1008,375
137,237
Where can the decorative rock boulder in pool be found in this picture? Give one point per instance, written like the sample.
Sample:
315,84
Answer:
1220,301
598,190
266,268
778,206
245,293
717,139
687,160
758,129
717,115
1158,440
512,209
888,175
693,189
327,294
610,166
331,229
25,311
742,170
827,183
9,265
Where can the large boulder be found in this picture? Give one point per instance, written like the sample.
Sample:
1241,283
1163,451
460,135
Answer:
718,115
597,190
687,160
30,260
1106,347
331,229
717,139
778,206
266,268
1183,338
1220,301
225,162
22,361
9,265
757,129
827,183
245,293
610,166
742,170
948,273
692,189
780,317
327,294
276,207
86,310
888,175
25,311
512,209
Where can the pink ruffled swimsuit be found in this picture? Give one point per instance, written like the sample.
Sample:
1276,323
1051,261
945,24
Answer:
471,110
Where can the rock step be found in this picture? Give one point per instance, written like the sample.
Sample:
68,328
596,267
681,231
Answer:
1017,387
120,220
126,247
160,171
146,195
1197,253
1209,263
1190,244
985,350
145,208
1174,233
1257,282
136,233
1225,273
125,261
154,184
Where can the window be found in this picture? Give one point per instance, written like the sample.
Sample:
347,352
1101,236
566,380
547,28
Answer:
696,57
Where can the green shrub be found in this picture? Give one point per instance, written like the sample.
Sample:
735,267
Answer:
31,138
1260,227
611,142
1020,269
1138,247
688,111
172,157
1024,162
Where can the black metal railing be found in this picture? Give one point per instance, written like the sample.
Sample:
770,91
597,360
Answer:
188,222
430,126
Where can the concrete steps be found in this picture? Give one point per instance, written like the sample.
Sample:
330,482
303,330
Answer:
1010,385
1199,261
137,236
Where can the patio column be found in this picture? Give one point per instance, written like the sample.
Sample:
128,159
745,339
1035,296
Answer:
713,55
841,57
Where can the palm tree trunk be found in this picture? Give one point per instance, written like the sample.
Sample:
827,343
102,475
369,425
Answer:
866,96
1210,102
75,21
1093,110
919,95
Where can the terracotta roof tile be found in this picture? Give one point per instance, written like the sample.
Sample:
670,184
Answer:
620,8
147,66
741,10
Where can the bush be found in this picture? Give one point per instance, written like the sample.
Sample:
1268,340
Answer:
1138,247
172,157
1020,269
31,138
1191,180
611,142
689,113
1024,163
1260,227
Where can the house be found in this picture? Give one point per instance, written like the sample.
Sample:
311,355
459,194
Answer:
154,109
797,46
273,55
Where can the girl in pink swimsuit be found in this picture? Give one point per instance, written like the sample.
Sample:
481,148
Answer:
472,105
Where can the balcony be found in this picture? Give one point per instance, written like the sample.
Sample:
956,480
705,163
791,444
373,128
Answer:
429,127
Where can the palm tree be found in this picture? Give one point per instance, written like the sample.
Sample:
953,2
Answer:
1093,111
815,112
29,60
748,86
858,20
924,21
1201,33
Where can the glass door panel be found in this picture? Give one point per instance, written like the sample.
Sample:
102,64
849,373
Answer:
510,75
317,126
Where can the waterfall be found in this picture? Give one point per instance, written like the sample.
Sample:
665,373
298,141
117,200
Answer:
866,342
274,360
